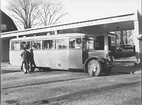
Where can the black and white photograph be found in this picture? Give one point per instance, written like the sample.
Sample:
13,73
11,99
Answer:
71,52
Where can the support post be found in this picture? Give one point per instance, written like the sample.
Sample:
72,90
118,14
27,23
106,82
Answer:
56,32
106,42
136,41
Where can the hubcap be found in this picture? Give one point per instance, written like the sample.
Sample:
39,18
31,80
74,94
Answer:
93,68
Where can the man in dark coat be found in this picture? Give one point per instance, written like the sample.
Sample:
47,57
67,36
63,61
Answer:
32,62
25,60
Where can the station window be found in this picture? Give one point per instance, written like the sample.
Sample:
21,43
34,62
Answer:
48,44
62,44
36,44
15,46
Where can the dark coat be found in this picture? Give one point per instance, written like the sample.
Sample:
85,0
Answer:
25,55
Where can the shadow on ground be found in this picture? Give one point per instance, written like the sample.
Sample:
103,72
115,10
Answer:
9,71
74,96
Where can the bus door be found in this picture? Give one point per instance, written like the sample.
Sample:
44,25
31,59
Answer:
75,52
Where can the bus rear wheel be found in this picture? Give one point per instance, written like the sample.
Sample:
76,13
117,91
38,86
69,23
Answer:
94,68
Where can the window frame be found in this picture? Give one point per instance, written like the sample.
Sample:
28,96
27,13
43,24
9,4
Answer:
66,45
75,43
53,44
26,42
35,41
12,45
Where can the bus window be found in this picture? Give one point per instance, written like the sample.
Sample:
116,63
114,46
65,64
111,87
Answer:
36,45
15,46
48,44
78,43
62,44
75,43
99,43
88,43
72,43
25,45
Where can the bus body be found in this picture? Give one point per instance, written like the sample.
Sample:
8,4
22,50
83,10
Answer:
63,51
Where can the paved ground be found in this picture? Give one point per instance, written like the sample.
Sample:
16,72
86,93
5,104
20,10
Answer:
70,88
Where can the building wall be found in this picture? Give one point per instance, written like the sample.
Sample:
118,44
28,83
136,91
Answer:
140,53
5,50
140,33
141,46
7,25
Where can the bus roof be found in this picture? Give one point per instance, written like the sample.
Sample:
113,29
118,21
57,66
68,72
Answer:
49,36
58,36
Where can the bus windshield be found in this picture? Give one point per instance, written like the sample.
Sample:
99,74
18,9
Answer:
93,43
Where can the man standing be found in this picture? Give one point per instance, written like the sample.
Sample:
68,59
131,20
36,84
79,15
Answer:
25,60
32,62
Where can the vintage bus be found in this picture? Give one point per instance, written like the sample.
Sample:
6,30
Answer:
70,51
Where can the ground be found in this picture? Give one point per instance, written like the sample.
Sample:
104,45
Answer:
70,88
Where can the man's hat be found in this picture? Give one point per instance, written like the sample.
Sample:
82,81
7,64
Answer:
31,49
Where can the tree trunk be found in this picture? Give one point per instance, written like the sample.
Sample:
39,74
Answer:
126,40
121,39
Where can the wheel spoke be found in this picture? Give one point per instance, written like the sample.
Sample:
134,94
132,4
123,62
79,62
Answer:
94,68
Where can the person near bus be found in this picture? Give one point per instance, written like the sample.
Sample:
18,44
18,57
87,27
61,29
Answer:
32,62
25,60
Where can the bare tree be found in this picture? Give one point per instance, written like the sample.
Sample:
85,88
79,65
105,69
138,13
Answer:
128,37
124,37
23,11
50,12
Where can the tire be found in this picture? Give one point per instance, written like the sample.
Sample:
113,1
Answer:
94,68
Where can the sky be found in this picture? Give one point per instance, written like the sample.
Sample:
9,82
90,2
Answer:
80,10
93,9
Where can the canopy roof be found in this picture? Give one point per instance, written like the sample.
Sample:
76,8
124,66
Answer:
108,24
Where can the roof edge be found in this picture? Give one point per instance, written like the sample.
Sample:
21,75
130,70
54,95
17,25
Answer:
51,26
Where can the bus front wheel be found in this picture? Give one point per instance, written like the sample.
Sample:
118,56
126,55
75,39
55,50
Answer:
94,67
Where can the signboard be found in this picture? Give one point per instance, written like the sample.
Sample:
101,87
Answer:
3,27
